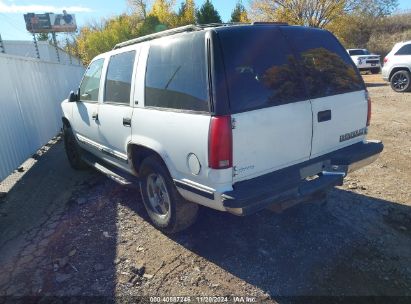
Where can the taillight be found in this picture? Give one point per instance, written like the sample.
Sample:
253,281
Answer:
367,95
220,143
385,59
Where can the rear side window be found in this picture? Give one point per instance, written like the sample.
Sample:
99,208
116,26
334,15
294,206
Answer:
327,68
404,50
90,85
118,80
261,70
176,75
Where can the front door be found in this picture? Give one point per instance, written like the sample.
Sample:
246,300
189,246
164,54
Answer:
85,112
115,112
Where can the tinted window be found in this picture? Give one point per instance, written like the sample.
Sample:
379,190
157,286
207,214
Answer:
327,68
89,87
404,50
261,70
118,80
176,73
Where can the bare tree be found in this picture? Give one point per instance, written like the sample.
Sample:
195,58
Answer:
139,7
316,13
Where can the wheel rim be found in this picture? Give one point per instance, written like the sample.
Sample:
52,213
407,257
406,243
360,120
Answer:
400,82
158,196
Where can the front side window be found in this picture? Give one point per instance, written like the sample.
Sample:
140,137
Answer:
176,75
118,80
261,70
90,85
327,68
404,50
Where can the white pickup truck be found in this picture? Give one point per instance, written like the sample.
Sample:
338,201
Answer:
365,61
237,118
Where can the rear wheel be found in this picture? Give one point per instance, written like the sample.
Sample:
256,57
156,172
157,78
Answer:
167,209
375,71
401,81
73,151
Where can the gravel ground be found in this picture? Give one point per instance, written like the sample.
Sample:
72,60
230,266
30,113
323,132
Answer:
70,233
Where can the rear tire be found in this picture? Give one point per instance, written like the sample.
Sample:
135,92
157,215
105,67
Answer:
375,71
73,151
167,209
401,81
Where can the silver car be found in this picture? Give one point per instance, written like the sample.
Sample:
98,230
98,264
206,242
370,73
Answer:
397,67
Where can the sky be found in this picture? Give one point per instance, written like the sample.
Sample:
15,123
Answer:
12,25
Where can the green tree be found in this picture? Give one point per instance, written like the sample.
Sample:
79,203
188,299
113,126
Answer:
163,10
42,36
239,14
208,14
187,13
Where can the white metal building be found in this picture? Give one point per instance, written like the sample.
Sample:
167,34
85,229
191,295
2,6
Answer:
47,51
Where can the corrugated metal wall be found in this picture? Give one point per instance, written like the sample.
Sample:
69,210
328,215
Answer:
30,94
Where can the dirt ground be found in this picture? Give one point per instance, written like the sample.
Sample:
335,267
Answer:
70,233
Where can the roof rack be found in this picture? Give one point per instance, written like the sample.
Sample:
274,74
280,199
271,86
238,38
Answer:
182,29
187,28
177,30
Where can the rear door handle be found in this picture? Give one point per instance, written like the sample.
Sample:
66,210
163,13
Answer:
324,115
94,116
126,121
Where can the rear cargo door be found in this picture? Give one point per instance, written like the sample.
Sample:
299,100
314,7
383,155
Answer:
334,86
271,114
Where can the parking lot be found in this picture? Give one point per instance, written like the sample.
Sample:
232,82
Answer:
64,232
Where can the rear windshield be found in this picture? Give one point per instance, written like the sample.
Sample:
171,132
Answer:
358,52
270,66
327,68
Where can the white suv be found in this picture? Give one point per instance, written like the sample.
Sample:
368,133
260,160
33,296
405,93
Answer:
236,118
365,61
397,67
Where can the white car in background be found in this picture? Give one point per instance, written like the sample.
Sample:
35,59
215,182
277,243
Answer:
365,61
397,67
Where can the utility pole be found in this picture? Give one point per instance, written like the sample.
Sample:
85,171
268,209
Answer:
2,50
55,45
68,50
36,46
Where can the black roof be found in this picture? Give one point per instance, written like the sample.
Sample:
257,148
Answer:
189,28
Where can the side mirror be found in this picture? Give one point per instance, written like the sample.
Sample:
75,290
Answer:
73,97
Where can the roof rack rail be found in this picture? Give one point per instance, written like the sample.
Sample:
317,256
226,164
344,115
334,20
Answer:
268,23
182,29
177,30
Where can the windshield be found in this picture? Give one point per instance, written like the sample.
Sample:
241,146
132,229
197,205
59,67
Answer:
358,52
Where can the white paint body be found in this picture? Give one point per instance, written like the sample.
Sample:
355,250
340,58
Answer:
396,61
365,62
264,140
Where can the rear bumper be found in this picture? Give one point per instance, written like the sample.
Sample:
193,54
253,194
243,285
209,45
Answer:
290,183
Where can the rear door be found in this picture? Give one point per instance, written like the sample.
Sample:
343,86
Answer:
116,111
272,118
336,90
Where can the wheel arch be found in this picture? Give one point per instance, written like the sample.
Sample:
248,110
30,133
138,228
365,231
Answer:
137,152
396,69
66,122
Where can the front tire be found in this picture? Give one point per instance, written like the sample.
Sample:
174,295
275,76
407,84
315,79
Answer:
73,151
401,81
167,209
